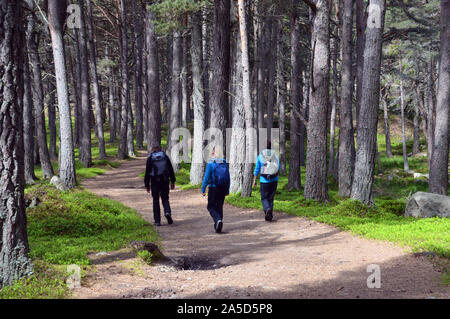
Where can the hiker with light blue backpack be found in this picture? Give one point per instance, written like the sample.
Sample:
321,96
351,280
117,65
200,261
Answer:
217,179
268,166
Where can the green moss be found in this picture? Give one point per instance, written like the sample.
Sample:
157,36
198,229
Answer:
146,256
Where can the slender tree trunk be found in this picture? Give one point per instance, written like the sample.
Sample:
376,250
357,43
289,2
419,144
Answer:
123,146
85,154
237,145
220,66
206,48
402,108
334,97
76,88
95,84
439,161
294,178
431,110
368,118
138,99
14,260
316,154
51,105
198,165
38,98
281,101
416,135
386,123
175,107
28,124
346,163
153,93
184,82
360,43
272,76
250,140
112,103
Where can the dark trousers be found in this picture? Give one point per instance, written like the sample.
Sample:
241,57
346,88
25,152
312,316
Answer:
268,191
216,198
160,188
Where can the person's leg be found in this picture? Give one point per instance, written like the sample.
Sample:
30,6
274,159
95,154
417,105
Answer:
264,188
271,196
212,204
165,202
156,207
220,203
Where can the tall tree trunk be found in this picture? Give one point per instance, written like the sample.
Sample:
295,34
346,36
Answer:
334,101
51,105
220,66
294,178
206,48
184,81
346,164
76,87
387,133
111,100
152,77
416,134
431,110
281,101
38,98
85,154
14,260
138,97
237,144
95,84
123,145
316,154
439,161
198,165
250,141
28,124
402,116
360,43
175,107
272,76
368,117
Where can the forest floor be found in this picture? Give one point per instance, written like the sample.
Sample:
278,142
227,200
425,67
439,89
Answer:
291,257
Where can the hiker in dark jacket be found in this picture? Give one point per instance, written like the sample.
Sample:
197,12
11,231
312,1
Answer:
158,174
268,165
217,179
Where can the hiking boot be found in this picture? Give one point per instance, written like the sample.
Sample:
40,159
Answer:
169,219
269,215
218,226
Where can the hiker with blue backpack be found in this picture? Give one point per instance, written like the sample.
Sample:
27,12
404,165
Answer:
268,166
217,179
158,174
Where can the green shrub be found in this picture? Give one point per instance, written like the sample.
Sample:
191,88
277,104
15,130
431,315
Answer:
146,256
353,208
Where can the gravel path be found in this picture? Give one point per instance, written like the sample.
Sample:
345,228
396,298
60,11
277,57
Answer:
291,257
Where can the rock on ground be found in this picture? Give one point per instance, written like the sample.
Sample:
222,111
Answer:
425,205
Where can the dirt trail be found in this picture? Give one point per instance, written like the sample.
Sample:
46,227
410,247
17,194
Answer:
291,257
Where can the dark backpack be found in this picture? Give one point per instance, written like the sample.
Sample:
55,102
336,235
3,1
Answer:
159,164
221,174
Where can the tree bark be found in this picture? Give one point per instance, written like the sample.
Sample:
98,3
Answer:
38,98
85,154
76,87
281,101
294,178
368,117
153,94
56,13
95,84
360,42
138,98
28,124
14,260
123,145
387,132
431,110
220,66
198,165
316,154
346,163
439,161
402,116
250,141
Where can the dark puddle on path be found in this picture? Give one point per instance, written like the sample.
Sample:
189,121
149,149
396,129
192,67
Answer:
196,263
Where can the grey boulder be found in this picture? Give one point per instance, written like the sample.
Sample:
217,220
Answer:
425,205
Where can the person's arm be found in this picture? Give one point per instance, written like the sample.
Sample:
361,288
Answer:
257,171
171,171
148,169
206,178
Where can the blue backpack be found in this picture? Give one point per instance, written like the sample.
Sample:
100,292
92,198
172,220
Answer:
221,174
159,164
